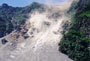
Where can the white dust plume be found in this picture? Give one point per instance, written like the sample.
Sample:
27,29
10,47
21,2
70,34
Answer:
44,31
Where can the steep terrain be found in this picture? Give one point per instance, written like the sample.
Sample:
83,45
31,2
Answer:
15,16
38,38
5,27
32,33
76,43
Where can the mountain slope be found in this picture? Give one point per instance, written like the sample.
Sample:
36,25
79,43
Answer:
76,43
5,27
42,32
17,15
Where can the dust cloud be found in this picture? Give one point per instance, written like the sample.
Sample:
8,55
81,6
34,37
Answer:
44,31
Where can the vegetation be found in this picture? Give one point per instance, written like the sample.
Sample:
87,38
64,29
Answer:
5,27
13,17
87,13
76,43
